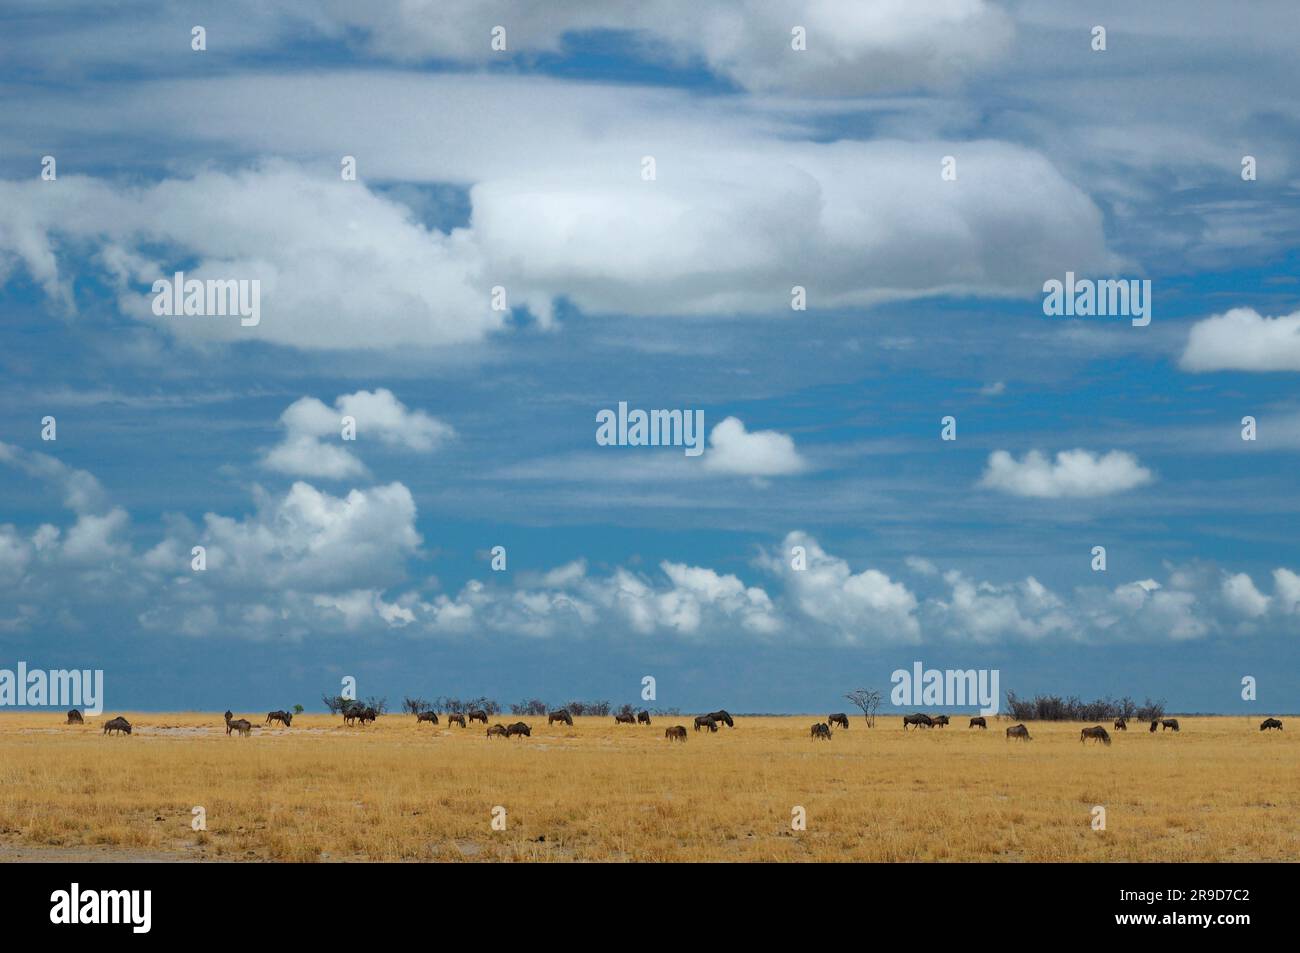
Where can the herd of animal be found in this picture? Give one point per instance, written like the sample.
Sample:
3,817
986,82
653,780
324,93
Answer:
358,714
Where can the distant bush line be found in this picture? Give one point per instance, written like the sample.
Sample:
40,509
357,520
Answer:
1055,708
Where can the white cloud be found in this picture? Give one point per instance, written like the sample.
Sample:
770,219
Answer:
1243,340
1074,473
1240,593
1286,586
758,453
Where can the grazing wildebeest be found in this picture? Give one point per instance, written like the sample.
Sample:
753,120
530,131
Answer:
429,716
625,719
839,718
561,715
498,730
455,720
478,714
1268,723
1096,733
283,717
353,713
1154,723
519,728
705,721
1121,724
917,721
1018,731
820,730
643,718
675,733
938,721
722,718
74,718
977,722
1168,723
117,724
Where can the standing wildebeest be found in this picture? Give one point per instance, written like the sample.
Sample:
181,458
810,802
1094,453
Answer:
917,721
241,725
820,730
1096,733
722,718
1268,723
1154,723
519,728
938,721
625,719
283,717
74,718
498,730
705,721
839,718
643,718
977,722
455,720
1018,731
675,733
117,724
429,716
1121,724
561,715
478,714
1168,723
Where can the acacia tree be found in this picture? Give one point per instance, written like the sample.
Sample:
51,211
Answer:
868,700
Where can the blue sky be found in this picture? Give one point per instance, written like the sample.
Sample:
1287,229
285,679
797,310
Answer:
774,167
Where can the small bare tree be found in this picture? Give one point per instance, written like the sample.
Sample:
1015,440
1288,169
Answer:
868,701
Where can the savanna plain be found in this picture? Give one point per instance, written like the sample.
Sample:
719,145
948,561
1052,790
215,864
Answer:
1218,790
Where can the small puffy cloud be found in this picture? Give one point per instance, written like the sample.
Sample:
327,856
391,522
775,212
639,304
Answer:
758,453
1240,593
1074,473
1243,340
1286,587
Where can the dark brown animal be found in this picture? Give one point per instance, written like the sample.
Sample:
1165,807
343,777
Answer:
625,719
561,715
643,718
1096,733
501,730
939,720
1154,723
820,730
478,714
977,722
429,716
241,725
675,733
455,720
1121,724
1168,723
74,718
706,721
917,721
839,718
1268,723
117,724
519,728
722,718
283,717
1018,731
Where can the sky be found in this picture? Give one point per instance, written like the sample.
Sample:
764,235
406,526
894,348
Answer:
618,207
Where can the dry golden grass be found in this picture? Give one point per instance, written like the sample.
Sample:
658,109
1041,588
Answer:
1219,790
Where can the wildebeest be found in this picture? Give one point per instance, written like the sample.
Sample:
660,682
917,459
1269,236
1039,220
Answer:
1268,723
722,718
241,725
455,720
1121,724
1018,731
977,722
675,733
498,730
820,730
705,721
478,714
1096,733
117,724
643,718
625,718
283,717
1168,723
938,721
917,721
358,712
1154,724
519,728
561,715
74,718
839,718
429,716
